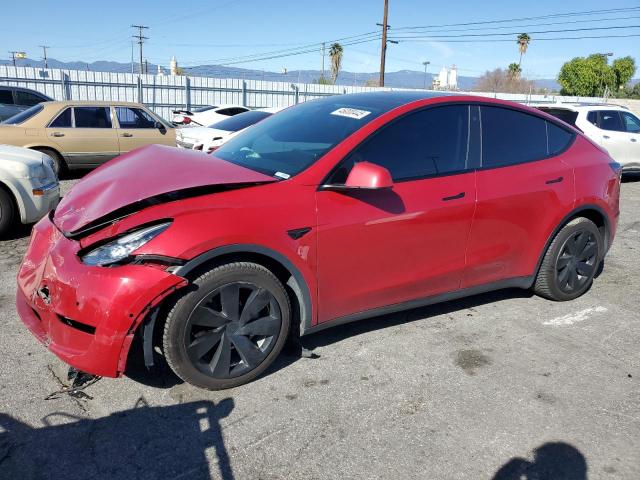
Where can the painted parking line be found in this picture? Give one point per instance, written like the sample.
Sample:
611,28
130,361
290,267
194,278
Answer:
576,317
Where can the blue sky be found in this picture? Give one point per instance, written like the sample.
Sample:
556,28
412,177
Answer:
202,31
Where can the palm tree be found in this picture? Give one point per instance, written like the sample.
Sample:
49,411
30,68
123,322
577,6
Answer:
335,52
523,44
514,70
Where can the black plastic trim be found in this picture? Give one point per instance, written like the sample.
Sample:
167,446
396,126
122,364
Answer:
518,282
83,327
298,233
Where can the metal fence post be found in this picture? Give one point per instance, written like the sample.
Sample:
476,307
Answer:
296,93
139,89
187,93
244,93
66,88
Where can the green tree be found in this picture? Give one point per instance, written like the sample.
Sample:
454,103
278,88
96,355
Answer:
335,53
523,43
624,68
586,77
514,70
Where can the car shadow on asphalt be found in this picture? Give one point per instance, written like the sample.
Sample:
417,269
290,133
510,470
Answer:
342,332
551,461
142,443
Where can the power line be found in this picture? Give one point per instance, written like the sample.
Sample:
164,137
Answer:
141,40
496,40
489,34
541,17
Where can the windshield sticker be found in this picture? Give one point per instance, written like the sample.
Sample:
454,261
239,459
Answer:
282,175
351,113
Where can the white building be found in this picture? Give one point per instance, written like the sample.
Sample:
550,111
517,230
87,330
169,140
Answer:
447,79
173,66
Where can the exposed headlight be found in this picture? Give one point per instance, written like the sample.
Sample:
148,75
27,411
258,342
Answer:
121,248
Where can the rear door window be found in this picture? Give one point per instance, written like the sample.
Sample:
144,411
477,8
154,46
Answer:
510,137
92,117
63,120
6,97
610,120
129,117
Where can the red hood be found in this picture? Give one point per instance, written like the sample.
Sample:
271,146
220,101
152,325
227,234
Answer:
141,174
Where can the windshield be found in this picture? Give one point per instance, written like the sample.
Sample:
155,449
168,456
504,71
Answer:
240,121
23,116
289,142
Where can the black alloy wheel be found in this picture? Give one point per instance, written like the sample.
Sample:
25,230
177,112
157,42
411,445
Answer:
577,261
571,261
228,326
232,330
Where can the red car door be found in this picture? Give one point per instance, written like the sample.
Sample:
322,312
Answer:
383,247
524,190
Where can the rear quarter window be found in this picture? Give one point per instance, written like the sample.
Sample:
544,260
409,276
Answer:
559,139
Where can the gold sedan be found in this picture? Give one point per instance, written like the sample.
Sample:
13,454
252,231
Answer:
85,134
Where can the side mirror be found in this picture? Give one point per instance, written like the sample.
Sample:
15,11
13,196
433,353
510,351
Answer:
369,176
159,126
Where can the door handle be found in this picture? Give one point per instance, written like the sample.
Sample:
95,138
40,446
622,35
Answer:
633,140
454,197
555,180
127,135
606,137
57,134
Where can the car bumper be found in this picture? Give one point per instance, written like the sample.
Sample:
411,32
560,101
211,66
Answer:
42,201
85,315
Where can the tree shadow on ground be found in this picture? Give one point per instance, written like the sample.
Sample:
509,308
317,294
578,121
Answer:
142,443
551,461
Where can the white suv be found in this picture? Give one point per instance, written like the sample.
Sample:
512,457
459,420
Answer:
611,126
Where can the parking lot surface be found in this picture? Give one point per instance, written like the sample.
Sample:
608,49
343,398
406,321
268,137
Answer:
503,385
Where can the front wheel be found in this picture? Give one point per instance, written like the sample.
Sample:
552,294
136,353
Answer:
229,328
7,212
571,261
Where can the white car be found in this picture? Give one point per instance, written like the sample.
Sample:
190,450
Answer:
613,127
211,137
206,115
29,188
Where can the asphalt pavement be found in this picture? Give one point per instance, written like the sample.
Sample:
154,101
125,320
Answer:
501,386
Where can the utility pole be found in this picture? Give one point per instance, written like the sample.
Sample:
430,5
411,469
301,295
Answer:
383,50
44,55
141,40
13,58
425,73
323,47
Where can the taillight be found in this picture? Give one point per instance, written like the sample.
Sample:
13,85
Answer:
186,120
211,149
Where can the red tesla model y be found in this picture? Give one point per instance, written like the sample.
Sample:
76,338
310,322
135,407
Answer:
331,211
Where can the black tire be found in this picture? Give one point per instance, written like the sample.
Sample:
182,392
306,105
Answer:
59,165
7,212
571,261
210,343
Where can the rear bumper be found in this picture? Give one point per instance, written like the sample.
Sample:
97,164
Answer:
85,315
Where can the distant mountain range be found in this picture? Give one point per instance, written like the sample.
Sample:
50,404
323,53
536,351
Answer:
399,79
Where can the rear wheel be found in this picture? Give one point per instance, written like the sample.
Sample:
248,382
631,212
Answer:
228,329
571,261
7,212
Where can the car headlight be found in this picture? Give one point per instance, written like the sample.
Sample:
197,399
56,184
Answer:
37,171
121,248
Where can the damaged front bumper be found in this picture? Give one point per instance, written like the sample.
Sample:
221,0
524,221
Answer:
85,315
